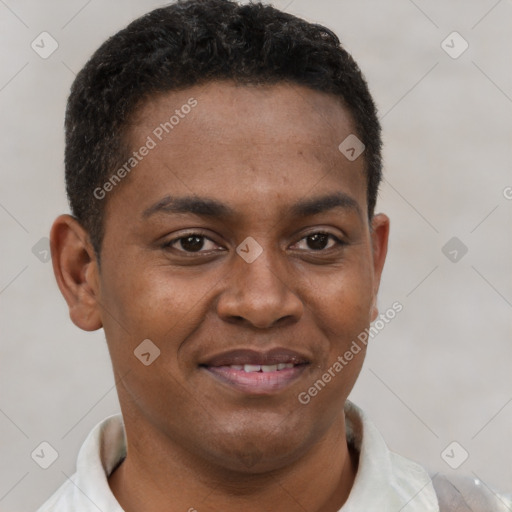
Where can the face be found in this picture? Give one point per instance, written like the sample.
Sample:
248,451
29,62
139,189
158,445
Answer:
240,246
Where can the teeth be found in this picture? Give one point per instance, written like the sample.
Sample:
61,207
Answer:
261,367
252,367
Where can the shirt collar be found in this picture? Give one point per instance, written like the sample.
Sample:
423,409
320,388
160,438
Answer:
384,481
102,451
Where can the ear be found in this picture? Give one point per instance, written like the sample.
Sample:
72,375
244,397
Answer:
379,236
76,270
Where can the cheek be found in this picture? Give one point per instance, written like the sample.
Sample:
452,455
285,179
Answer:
342,301
152,303
342,312
152,298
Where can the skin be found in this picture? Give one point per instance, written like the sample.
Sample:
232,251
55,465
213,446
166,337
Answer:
194,441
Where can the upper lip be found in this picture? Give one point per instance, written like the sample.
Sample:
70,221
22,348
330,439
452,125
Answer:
247,356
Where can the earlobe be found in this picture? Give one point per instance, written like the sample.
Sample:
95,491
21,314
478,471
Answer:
76,271
380,236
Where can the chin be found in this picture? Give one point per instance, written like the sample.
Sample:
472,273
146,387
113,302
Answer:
252,459
254,450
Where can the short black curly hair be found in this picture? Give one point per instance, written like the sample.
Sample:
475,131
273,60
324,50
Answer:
191,42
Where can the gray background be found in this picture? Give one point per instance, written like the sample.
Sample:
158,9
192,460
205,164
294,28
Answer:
439,372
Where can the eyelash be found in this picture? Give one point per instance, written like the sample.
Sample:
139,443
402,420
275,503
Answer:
169,244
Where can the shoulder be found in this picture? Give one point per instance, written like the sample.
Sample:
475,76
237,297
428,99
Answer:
62,500
87,490
466,494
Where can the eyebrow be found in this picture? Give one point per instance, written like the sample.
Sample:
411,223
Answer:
207,207
316,205
203,206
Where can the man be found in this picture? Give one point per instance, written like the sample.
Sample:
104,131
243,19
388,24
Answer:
222,167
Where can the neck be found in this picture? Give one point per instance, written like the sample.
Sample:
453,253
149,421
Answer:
157,475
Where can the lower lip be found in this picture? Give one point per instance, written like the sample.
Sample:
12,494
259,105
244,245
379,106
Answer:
257,383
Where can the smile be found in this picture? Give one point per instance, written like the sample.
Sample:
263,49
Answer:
257,373
265,368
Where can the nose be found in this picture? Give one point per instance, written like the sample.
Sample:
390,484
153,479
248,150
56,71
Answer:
259,294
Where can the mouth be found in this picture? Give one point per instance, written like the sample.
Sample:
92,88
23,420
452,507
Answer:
257,373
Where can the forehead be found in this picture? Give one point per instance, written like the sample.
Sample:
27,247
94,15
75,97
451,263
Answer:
233,113
231,141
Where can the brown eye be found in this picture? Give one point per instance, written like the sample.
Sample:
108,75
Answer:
192,243
319,242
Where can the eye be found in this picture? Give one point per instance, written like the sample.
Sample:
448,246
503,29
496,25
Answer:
320,241
192,242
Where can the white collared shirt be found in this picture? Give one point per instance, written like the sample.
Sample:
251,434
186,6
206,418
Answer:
385,481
